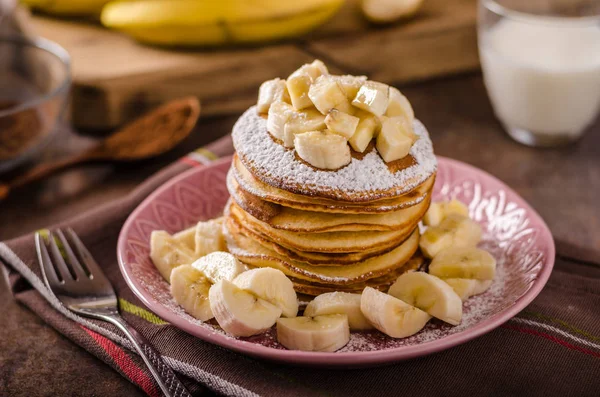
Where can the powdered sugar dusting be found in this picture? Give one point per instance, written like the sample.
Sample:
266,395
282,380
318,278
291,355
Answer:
368,177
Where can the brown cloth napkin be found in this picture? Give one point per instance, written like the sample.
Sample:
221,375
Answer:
552,348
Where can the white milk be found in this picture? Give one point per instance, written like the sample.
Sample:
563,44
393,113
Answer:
543,77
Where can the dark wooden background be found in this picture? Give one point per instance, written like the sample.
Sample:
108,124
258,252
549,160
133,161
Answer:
563,185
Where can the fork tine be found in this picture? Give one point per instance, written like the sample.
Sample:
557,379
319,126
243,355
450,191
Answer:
84,254
73,261
48,270
59,263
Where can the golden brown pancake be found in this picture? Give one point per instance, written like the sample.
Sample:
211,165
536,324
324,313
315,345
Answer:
330,242
241,178
254,254
294,220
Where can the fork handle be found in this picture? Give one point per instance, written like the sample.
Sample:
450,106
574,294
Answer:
168,382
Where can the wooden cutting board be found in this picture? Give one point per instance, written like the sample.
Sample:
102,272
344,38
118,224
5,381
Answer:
115,78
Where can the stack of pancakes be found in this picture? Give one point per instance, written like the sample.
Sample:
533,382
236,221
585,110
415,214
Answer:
326,230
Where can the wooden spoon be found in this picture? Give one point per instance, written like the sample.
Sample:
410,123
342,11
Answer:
154,133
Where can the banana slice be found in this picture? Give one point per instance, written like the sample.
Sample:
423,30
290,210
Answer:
372,97
341,123
323,149
350,84
429,294
302,121
390,315
385,11
316,334
466,287
367,128
439,210
393,143
209,237
218,266
463,262
279,114
271,285
167,254
399,106
326,94
339,303
454,231
271,91
189,288
298,84
316,68
186,238
239,312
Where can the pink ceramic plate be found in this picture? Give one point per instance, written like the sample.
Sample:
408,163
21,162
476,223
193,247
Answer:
513,232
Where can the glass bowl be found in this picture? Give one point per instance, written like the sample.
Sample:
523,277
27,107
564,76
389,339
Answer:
35,77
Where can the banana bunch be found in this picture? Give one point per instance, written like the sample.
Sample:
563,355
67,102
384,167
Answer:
216,22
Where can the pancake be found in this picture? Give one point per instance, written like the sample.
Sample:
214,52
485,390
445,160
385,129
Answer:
249,184
380,283
294,220
312,258
252,253
330,242
366,178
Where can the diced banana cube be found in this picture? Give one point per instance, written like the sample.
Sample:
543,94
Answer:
326,94
323,149
399,106
269,92
279,114
391,143
341,123
372,97
351,84
302,121
367,129
298,85
316,68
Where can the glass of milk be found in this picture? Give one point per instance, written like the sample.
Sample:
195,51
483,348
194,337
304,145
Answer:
541,66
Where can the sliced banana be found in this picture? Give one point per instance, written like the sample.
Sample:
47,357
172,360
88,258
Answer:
341,123
439,210
454,231
392,142
326,333
189,288
367,129
279,114
271,91
167,254
239,312
271,285
391,315
326,94
302,121
399,106
298,84
187,238
218,266
323,149
430,294
339,303
463,262
209,237
372,97
466,287
350,84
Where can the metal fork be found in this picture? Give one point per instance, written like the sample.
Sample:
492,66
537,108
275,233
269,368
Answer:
75,278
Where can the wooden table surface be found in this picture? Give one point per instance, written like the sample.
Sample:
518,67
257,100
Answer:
563,185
